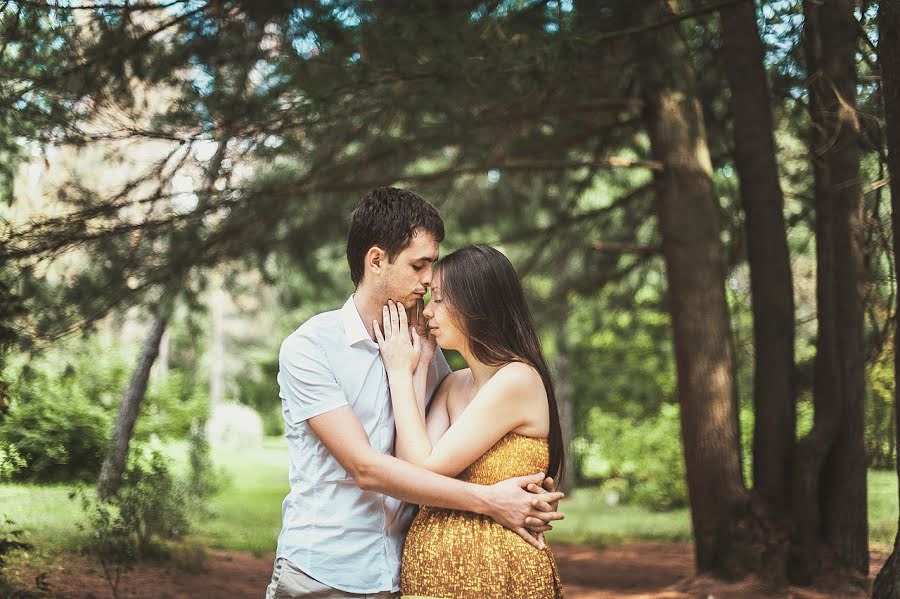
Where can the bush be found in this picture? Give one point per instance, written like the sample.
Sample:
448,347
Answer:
171,406
111,543
151,502
204,479
150,505
637,461
62,408
125,527
879,439
258,389
61,412
53,432
10,542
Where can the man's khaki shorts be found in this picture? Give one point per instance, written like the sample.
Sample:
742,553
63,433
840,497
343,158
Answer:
289,581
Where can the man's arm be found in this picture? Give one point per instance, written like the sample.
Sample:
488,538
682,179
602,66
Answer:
506,502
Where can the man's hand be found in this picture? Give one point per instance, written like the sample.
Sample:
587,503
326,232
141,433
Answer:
536,525
512,506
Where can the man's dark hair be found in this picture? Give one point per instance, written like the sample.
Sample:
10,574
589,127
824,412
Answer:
388,217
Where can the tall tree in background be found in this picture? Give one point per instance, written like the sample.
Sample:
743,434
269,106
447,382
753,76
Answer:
829,495
110,478
688,212
887,583
767,253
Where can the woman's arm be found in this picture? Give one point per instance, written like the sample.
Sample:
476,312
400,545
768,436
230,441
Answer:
438,419
400,348
514,396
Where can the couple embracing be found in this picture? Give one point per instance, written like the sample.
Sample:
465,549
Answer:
376,424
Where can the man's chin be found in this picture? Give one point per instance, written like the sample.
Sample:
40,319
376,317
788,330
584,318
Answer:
411,303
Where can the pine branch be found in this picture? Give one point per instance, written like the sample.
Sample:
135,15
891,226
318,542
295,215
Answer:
662,23
572,219
102,6
621,247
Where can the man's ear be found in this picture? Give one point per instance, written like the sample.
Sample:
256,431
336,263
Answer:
376,258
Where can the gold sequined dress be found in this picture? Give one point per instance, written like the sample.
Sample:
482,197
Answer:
460,555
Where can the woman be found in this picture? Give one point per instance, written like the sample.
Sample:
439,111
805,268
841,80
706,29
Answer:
495,420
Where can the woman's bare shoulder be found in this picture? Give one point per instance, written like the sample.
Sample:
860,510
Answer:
520,377
521,388
452,382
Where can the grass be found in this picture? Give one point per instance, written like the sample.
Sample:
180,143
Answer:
882,486
590,520
46,514
247,510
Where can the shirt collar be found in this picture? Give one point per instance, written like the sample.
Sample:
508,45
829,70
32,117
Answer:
354,328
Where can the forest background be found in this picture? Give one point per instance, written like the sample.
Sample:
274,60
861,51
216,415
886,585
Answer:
697,198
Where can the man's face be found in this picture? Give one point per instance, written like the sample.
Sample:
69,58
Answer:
407,278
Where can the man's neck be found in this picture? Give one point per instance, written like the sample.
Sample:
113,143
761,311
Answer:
368,305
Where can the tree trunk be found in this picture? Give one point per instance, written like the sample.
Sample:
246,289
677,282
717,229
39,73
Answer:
887,583
830,470
114,465
688,218
162,362
767,251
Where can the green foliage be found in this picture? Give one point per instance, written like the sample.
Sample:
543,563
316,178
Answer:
621,355
10,542
640,461
61,413
54,432
171,406
110,541
12,307
204,480
150,505
879,435
151,502
63,404
258,389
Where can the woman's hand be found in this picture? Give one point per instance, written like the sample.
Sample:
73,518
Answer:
399,344
427,341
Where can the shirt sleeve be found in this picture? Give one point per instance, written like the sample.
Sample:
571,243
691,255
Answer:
305,380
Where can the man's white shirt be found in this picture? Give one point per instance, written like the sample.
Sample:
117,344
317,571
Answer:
335,532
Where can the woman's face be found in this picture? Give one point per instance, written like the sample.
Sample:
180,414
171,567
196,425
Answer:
440,322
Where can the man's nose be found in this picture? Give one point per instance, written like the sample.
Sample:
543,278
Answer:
426,278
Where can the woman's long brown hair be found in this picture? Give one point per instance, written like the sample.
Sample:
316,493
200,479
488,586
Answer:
485,298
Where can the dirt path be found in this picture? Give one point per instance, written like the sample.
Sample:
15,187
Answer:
632,571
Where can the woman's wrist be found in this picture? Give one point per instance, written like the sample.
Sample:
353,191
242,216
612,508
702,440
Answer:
399,374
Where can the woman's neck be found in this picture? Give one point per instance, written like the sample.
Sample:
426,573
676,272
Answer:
481,372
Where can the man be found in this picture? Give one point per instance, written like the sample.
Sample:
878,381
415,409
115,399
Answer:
345,518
